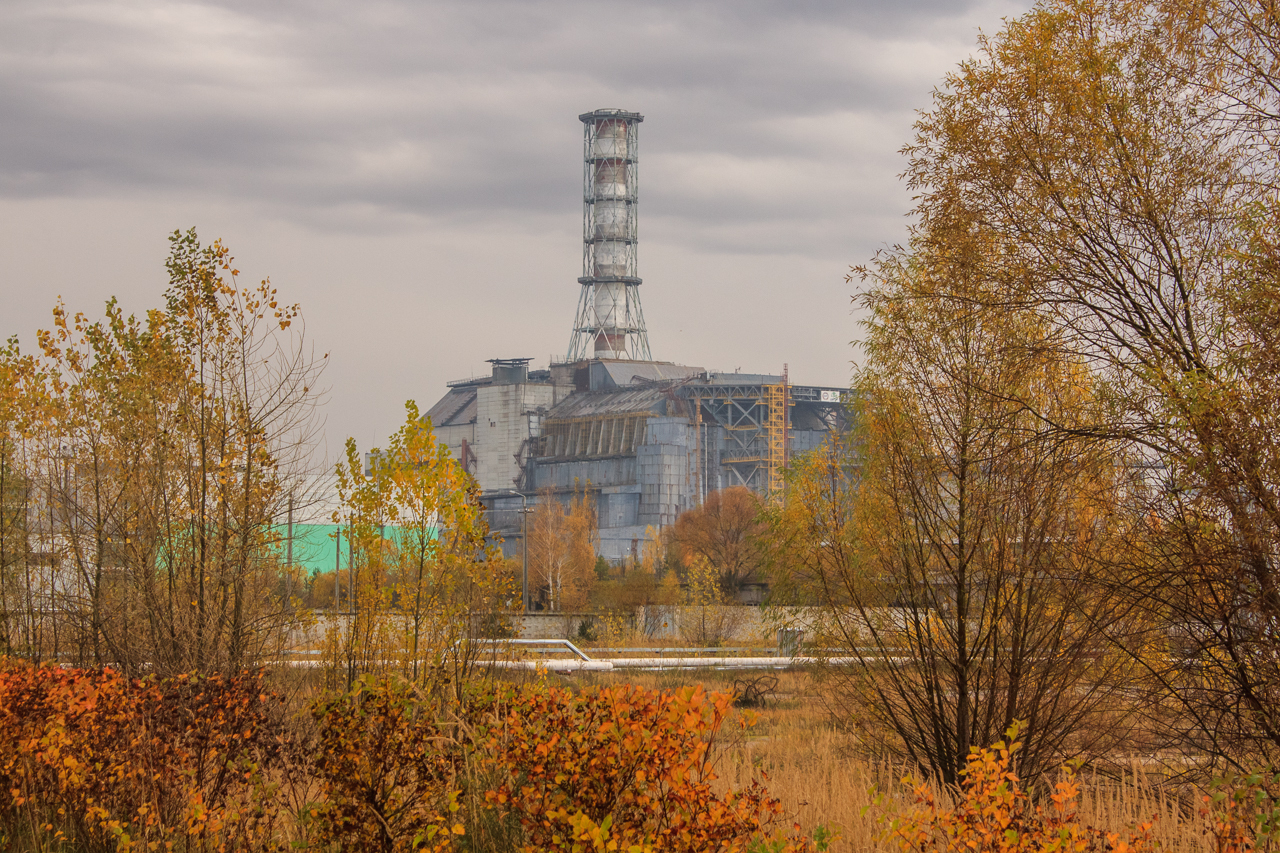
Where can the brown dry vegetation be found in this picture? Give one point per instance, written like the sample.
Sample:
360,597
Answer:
826,775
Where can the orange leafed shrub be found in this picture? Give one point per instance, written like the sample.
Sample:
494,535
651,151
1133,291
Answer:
388,768
537,768
992,813
93,761
108,763
622,768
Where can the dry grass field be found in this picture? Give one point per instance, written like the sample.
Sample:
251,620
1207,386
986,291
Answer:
825,777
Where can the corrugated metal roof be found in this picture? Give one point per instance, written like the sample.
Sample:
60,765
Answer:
456,407
630,372
616,402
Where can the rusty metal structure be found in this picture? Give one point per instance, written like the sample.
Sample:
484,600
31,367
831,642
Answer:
609,321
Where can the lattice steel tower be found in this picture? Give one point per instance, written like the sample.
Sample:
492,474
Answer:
609,322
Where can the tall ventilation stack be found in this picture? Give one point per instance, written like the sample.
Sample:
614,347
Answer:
609,322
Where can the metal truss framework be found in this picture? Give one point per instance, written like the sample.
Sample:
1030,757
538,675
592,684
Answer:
756,420
609,322
829,405
742,411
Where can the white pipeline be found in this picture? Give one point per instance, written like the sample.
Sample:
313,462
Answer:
610,664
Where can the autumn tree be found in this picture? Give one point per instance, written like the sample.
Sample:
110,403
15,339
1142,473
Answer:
166,446
562,550
639,584
1121,156
954,539
24,413
724,532
814,534
361,639
427,580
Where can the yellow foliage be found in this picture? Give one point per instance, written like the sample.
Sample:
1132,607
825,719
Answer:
991,812
562,551
426,591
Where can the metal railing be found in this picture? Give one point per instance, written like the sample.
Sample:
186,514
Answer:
623,658
655,659
694,650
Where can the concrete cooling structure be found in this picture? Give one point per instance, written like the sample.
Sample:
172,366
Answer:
647,439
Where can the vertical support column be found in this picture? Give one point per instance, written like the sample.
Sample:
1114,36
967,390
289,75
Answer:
786,415
700,464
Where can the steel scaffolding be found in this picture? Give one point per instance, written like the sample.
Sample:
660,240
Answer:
776,434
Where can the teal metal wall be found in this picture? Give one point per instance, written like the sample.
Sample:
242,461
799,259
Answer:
315,546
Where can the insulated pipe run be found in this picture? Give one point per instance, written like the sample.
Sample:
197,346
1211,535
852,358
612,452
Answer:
610,664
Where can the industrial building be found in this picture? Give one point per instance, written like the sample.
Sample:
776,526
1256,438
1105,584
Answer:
648,439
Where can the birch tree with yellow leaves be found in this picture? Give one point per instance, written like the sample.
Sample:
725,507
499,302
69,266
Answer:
25,580
1121,157
429,584
562,550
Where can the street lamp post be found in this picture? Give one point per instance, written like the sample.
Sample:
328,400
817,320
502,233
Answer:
524,545
524,554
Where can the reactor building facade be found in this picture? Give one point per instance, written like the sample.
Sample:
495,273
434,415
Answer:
647,439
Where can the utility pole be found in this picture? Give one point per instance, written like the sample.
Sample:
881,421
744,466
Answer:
524,544
524,553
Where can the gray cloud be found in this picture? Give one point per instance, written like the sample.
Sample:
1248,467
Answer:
429,151
425,107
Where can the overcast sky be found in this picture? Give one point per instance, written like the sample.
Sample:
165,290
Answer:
410,170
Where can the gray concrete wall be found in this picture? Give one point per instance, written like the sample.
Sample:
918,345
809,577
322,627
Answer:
664,466
678,625
618,506
453,435
577,473
661,624
623,543
504,415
